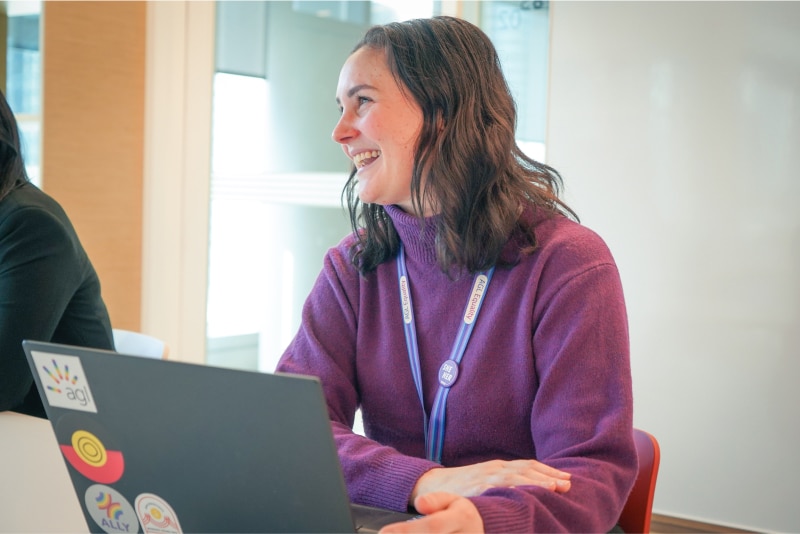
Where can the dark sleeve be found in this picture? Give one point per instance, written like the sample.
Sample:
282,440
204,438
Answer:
40,268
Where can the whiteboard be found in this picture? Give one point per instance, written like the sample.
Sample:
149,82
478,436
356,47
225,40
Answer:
676,127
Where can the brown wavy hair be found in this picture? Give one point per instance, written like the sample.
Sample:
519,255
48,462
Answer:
12,167
476,177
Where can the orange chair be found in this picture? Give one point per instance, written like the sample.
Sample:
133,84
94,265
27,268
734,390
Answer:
639,507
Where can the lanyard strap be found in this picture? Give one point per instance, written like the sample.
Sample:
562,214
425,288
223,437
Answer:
448,372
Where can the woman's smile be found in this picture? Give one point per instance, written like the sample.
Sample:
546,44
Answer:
363,159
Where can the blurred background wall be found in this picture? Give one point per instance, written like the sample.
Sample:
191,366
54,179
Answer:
676,126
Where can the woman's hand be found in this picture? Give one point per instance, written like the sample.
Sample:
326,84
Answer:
472,480
443,512
441,493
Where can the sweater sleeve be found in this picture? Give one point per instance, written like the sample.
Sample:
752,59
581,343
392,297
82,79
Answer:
325,346
581,417
39,271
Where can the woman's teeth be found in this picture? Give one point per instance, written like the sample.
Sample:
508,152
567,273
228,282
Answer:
360,160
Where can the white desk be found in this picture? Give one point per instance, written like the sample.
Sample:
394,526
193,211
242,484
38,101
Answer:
36,494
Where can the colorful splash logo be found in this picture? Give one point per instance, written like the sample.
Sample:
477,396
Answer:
106,502
89,457
156,516
110,510
64,383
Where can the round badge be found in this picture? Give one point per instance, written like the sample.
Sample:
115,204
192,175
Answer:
88,448
156,515
448,373
110,510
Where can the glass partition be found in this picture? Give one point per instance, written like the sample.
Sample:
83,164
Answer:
23,88
520,32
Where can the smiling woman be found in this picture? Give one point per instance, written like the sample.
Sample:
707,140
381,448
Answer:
454,231
274,165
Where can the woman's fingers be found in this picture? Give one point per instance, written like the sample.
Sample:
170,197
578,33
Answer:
443,513
471,480
525,473
544,469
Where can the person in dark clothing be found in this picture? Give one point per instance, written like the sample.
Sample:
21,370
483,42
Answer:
49,290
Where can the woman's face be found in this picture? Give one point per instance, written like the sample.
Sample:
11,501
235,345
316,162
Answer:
378,128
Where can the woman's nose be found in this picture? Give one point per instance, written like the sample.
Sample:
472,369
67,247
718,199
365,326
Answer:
343,131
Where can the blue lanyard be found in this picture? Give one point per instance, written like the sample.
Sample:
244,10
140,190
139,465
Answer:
448,372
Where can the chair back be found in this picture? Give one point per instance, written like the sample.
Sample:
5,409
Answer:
138,344
638,508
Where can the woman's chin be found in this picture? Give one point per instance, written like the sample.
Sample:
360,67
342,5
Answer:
364,194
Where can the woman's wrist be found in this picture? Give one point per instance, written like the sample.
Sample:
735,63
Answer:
422,485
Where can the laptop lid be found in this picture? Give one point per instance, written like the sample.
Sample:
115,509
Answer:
165,447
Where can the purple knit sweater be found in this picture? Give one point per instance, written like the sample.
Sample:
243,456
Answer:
546,374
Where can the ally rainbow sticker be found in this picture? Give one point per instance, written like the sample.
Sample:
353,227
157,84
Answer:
110,510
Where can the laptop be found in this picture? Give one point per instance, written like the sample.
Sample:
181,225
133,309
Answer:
165,447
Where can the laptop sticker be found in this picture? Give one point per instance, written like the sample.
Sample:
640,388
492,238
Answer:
88,447
64,382
89,457
110,510
156,516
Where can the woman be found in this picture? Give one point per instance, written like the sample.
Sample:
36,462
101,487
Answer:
479,329
49,290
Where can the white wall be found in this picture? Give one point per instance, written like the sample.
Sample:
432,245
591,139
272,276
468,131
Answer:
178,78
676,126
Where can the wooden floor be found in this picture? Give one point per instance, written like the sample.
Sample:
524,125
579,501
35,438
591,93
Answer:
663,524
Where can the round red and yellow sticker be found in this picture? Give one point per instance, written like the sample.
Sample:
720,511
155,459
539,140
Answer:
88,448
89,457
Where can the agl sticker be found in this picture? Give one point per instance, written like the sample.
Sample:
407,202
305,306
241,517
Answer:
65,385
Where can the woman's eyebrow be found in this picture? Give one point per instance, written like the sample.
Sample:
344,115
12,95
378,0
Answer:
354,90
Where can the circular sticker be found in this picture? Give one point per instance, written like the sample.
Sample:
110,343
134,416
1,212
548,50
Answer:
90,458
156,515
87,447
110,510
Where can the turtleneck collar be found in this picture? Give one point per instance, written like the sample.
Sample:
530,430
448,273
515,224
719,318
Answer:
418,236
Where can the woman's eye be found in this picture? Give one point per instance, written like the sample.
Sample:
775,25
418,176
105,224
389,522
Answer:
363,100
